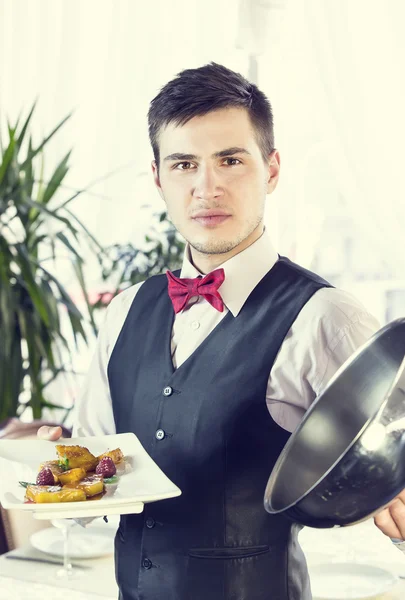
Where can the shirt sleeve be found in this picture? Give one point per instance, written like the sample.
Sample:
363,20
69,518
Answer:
92,412
330,327
351,335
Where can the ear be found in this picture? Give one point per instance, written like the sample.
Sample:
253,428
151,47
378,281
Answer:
156,178
273,171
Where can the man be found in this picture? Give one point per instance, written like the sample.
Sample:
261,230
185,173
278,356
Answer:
214,370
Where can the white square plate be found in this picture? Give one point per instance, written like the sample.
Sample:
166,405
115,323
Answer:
145,481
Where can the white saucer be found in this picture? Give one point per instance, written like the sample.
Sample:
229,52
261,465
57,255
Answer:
349,581
89,542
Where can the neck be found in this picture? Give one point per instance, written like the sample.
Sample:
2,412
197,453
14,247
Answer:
206,263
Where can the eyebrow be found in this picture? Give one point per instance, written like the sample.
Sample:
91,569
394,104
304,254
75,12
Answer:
220,154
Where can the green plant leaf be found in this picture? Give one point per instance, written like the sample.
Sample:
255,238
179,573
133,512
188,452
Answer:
51,213
29,173
24,129
65,298
47,404
7,157
33,153
56,179
93,239
40,182
61,236
31,297
52,305
77,265
11,373
54,375
74,314
28,272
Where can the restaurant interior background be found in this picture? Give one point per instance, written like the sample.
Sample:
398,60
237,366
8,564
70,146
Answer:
333,72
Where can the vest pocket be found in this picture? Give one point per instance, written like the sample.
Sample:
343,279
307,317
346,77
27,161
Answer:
241,552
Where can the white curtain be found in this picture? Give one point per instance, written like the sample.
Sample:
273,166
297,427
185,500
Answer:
105,60
336,79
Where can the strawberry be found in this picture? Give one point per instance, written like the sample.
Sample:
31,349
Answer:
45,477
106,467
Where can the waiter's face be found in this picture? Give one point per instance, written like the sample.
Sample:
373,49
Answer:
214,180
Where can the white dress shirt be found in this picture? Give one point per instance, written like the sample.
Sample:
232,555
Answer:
329,328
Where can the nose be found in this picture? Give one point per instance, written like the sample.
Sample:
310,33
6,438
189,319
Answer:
207,184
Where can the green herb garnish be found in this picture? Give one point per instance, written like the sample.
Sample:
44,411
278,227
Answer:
64,463
25,484
112,479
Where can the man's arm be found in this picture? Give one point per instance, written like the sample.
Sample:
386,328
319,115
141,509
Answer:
329,329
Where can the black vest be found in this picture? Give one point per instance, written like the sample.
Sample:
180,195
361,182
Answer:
207,426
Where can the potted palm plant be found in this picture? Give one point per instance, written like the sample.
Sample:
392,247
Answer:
35,337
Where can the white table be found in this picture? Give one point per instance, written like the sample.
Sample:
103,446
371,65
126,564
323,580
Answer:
23,580
362,543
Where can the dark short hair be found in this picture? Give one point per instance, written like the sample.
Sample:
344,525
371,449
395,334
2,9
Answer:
196,92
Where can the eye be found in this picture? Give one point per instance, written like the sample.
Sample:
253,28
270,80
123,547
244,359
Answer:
234,161
183,166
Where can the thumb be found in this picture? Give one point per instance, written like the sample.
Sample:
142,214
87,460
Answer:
49,433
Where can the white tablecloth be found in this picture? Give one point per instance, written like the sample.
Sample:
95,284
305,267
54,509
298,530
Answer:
13,589
362,543
32,580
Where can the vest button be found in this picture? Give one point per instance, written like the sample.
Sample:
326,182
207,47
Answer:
160,434
150,522
168,391
146,563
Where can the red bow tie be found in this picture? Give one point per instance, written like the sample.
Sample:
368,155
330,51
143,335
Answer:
181,290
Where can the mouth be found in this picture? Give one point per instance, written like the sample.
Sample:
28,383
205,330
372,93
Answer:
211,217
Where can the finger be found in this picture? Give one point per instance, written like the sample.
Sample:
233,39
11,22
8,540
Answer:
386,524
397,511
401,496
49,433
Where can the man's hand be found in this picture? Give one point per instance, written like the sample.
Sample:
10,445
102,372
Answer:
49,433
391,520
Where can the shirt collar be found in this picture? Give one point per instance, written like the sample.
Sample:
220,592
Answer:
242,272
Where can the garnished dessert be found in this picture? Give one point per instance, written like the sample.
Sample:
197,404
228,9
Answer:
77,475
